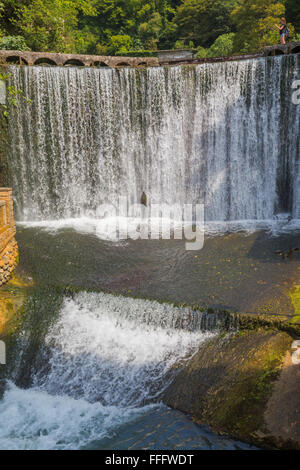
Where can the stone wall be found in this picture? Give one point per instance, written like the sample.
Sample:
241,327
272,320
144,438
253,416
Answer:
164,58
50,58
8,244
278,49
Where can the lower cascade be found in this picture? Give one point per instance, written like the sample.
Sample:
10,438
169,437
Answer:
104,363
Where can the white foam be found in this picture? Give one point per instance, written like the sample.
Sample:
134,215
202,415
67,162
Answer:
109,349
106,229
274,227
33,419
106,361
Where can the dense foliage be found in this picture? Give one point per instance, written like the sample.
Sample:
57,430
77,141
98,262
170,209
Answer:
214,27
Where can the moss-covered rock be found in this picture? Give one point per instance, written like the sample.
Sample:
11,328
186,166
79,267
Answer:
12,297
282,415
274,322
228,383
295,298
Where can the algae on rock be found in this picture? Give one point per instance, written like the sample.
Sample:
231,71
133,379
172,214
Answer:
228,383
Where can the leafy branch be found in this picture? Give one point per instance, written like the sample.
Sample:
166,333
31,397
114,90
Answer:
12,95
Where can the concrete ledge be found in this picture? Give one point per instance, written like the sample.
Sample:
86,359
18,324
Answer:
175,55
210,60
290,48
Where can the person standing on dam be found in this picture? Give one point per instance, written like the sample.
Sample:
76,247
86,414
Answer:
283,31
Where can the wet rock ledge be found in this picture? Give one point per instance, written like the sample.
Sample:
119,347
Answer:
243,384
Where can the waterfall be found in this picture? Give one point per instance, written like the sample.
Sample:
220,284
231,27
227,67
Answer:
104,361
115,350
226,135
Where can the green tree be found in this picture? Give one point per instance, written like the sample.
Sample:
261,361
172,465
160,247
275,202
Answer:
223,46
201,52
293,13
13,43
202,21
119,44
149,31
9,14
113,26
255,20
50,25
148,22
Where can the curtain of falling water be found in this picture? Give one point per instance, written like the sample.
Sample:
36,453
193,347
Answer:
226,135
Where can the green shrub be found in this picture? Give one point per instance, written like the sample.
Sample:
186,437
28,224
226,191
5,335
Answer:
183,45
201,53
120,44
13,43
223,46
139,54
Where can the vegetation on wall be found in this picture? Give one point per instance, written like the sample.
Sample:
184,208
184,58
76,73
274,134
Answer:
12,95
214,27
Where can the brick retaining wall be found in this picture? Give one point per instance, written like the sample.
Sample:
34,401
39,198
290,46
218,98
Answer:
8,244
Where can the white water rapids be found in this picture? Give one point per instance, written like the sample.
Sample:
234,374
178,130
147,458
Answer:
105,362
